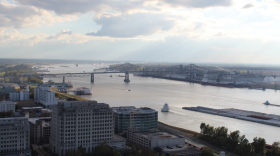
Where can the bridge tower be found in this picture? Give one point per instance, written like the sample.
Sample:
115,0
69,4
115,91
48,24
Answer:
92,78
126,77
63,81
192,71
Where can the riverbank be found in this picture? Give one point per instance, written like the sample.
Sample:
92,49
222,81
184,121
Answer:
188,132
249,86
66,96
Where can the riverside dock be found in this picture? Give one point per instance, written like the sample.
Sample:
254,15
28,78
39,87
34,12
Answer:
268,119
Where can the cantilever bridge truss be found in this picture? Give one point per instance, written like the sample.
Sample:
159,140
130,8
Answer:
192,70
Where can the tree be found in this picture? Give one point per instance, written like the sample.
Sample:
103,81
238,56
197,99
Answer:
71,153
202,126
206,152
104,150
274,151
233,139
259,145
34,80
80,151
244,147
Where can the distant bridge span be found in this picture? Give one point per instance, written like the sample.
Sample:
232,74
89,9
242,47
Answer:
192,70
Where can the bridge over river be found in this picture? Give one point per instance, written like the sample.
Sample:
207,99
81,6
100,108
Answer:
191,70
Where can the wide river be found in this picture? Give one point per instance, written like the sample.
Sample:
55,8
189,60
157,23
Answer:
154,92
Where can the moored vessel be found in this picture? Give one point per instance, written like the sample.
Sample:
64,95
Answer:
83,91
205,81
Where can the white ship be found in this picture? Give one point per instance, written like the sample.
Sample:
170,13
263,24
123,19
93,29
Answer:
165,108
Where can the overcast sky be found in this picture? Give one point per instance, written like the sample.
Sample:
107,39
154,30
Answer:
233,31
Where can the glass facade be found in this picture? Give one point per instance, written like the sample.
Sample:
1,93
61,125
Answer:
143,121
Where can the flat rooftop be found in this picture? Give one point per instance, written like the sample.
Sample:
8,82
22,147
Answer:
159,134
31,107
15,118
130,109
33,120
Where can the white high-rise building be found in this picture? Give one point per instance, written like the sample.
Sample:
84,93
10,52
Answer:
43,95
81,123
6,106
15,137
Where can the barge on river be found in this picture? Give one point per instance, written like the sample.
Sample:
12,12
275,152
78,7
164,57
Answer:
269,119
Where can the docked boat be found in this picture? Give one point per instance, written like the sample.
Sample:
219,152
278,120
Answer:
83,91
207,82
165,108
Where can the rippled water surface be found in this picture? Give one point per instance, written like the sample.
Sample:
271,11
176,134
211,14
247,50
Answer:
153,93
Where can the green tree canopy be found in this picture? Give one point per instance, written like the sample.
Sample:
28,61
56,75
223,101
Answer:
206,152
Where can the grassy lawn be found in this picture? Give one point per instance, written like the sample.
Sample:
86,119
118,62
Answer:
66,96
189,132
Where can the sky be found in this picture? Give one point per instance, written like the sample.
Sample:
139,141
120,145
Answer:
216,31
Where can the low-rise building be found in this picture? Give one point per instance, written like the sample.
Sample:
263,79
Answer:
6,106
6,88
15,137
153,139
40,130
144,118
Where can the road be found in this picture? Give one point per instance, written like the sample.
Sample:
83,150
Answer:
193,139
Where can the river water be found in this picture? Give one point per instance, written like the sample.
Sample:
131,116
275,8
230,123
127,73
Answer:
154,92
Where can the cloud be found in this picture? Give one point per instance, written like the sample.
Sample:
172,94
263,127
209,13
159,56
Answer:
248,6
198,3
131,25
99,6
60,34
83,6
18,16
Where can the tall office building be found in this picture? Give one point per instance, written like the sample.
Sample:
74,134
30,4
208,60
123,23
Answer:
80,123
15,134
43,95
143,118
